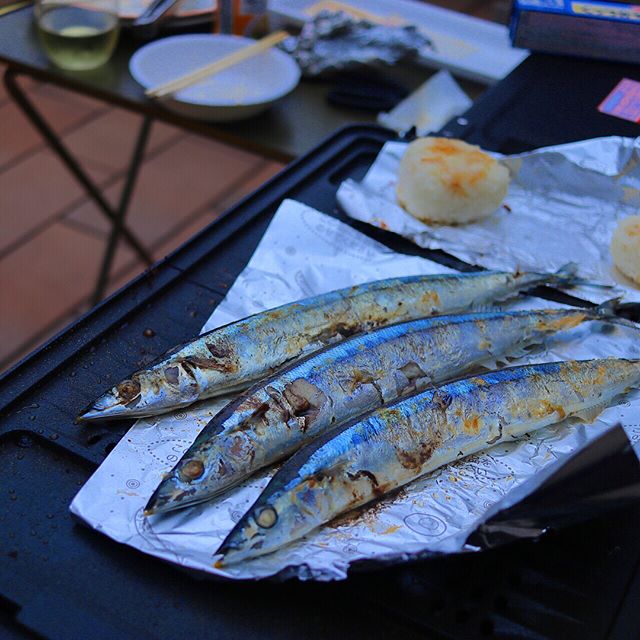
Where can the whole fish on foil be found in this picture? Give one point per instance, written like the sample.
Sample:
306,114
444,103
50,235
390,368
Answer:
366,459
229,358
278,415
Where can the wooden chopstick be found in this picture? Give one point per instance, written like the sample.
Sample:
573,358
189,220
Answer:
192,77
331,5
10,8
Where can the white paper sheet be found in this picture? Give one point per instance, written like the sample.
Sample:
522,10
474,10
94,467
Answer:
303,253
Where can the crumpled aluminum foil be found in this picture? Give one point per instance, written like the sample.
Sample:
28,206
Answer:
334,41
303,253
563,205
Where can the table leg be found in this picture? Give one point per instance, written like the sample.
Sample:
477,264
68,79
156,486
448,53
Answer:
125,197
116,217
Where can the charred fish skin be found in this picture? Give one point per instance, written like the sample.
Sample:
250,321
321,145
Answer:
279,415
366,459
229,358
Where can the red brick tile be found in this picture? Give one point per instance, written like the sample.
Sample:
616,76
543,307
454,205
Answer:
67,97
88,215
125,257
4,96
123,277
182,235
182,180
253,182
34,191
110,138
31,319
162,133
25,82
44,333
60,114
17,133
219,149
174,184
43,279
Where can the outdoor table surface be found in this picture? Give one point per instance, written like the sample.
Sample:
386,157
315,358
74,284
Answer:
291,127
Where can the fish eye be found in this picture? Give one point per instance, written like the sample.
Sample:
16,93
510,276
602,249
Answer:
266,517
192,470
128,389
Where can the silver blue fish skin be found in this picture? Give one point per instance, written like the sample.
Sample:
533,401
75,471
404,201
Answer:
364,460
282,413
231,357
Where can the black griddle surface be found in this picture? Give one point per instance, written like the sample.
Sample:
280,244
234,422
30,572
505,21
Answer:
58,579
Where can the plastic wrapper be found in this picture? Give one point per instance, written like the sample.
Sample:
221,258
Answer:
334,41
429,107
302,253
563,205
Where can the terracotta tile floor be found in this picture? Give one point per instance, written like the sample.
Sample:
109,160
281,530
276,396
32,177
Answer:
52,237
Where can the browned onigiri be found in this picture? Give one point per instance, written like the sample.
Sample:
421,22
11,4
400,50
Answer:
449,181
625,247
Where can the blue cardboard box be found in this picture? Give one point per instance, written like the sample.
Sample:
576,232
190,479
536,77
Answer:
603,30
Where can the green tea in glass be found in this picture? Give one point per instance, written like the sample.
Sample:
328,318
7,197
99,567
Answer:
78,35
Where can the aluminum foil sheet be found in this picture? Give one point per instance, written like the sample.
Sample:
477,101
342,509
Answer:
303,253
562,205
334,41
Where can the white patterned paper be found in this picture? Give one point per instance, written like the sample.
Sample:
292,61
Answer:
303,253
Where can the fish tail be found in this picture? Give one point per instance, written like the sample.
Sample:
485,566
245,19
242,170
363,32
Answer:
568,271
610,310
567,276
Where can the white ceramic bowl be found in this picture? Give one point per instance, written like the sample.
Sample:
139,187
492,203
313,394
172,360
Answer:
241,91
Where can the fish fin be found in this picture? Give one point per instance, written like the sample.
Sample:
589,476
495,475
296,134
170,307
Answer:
504,359
608,312
589,414
567,276
569,270
519,352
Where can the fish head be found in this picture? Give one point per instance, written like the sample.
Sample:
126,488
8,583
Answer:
115,403
274,520
202,473
178,489
145,393
223,454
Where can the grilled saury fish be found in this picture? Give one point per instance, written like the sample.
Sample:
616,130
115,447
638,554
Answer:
231,357
285,411
366,459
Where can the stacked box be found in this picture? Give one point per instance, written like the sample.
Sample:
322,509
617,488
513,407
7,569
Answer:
603,30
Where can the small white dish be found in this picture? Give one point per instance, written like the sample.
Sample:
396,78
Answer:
236,93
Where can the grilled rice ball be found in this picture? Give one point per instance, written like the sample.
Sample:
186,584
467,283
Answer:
449,181
625,247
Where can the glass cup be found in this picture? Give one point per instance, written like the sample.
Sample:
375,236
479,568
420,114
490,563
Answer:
78,35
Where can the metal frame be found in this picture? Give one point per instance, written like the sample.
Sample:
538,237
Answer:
115,215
